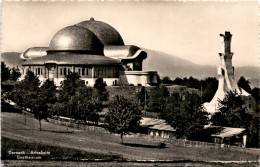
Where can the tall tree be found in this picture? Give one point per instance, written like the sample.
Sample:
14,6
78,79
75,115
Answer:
166,80
143,97
244,84
5,72
69,86
256,94
254,132
100,87
123,116
232,112
15,74
28,95
158,98
185,112
85,105
209,87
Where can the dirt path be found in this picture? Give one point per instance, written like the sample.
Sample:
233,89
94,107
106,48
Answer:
13,127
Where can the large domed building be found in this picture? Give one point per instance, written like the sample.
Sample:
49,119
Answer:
94,50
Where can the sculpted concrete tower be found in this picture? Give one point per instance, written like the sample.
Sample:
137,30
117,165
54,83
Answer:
226,79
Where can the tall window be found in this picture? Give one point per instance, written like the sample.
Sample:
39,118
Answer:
41,71
87,71
79,71
61,71
83,71
68,70
65,71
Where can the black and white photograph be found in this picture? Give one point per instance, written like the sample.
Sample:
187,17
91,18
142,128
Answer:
130,83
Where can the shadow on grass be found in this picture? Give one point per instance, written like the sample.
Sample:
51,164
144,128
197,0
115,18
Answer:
141,145
6,107
55,131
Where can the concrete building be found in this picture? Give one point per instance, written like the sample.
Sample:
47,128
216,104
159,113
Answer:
226,80
94,50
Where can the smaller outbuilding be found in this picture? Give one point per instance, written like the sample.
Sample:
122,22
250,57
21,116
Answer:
228,135
157,128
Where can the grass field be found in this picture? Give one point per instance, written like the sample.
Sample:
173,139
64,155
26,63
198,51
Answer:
13,127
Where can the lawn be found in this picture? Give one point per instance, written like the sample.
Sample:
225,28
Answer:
100,143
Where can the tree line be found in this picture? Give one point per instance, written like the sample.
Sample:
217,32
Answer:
182,110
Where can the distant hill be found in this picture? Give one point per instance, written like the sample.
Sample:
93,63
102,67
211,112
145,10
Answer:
167,65
11,59
173,66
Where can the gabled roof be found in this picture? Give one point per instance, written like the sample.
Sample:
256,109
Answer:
225,131
158,124
72,59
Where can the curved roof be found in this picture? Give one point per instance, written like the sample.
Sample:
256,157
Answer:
105,33
67,58
75,38
34,52
124,52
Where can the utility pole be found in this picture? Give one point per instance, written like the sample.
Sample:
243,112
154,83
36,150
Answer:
145,99
78,115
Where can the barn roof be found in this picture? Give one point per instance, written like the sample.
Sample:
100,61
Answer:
157,124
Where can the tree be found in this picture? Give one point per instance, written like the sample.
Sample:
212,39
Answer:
123,116
85,105
158,98
5,72
69,85
253,136
185,112
193,83
177,81
244,84
49,90
256,94
100,87
232,112
166,80
143,97
15,74
29,95
209,87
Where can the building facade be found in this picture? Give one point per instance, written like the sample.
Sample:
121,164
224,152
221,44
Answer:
94,50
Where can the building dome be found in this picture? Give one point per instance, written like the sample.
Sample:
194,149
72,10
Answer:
76,39
105,33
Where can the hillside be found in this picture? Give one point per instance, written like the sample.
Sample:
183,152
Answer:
11,59
97,140
173,66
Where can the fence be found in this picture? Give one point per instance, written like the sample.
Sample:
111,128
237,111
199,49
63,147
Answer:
199,144
173,141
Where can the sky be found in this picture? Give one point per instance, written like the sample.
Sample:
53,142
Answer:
189,30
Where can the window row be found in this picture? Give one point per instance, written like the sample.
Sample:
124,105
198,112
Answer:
37,71
83,71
